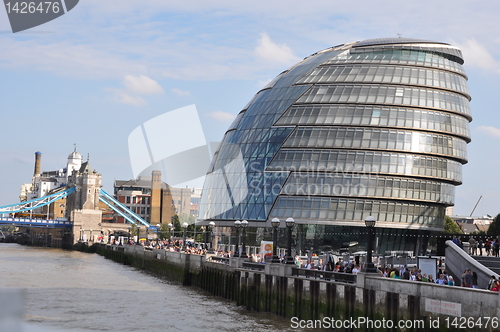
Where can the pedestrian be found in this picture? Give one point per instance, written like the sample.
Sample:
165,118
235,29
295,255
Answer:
472,246
467,279
474,279
491,283
487,247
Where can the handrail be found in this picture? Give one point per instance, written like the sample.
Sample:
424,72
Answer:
219,259
326,275
457,266
253,265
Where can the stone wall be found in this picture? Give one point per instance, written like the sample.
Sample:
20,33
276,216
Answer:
319,301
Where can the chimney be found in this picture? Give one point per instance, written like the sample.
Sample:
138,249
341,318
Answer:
38,162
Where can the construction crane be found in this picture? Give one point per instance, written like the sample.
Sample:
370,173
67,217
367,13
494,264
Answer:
475,206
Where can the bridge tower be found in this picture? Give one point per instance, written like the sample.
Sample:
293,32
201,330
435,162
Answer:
83,205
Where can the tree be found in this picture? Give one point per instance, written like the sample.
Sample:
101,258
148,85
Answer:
133,230
451,227
164,231
494,229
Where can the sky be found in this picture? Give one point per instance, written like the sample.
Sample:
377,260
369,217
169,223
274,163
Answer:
93,75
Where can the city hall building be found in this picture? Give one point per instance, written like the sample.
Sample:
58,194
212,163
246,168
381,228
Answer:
372,128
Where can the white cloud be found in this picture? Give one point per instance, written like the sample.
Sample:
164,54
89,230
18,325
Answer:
142,85
476,55
134,87
180,92
121,96
490,131
270,51
222,116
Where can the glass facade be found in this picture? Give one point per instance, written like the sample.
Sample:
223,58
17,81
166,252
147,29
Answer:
378,128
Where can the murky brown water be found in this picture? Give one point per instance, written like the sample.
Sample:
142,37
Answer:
73,291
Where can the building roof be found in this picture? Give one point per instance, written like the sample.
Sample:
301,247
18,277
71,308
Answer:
467,228
385,41
482,228
140,182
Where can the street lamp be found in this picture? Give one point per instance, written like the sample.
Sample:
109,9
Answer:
171,228
289,224
138,234
211,226
275,223
237,225
244,225
184,226
370,225
158,232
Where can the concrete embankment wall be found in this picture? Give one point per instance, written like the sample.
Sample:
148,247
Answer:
322,301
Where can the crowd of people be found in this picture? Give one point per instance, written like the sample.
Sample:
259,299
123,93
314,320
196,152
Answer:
468,278
491,247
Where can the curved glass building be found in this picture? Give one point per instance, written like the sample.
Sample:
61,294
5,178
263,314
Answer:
377,127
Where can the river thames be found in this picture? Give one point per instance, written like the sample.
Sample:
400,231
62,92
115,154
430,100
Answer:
80,292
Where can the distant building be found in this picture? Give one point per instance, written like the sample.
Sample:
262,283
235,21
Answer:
49,182
43,183
155,201
471,224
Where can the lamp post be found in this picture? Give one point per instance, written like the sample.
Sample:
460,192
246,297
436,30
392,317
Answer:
171,228
158,232
244,225
138,234
370,225
237,225
184,226
275,223
211,226
289,224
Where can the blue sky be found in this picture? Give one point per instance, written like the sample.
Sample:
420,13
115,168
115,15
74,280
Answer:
93,75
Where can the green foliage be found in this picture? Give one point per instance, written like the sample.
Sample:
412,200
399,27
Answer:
451,227
164,232
133,230
177,223
494,229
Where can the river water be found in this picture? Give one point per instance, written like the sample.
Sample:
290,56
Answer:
79,292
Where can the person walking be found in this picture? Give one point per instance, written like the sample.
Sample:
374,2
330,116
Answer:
487,247
472,246
468,279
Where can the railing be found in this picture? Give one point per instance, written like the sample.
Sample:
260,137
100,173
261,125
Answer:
325,275
254,266
218,259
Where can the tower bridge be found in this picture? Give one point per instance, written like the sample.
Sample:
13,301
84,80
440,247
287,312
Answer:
69,204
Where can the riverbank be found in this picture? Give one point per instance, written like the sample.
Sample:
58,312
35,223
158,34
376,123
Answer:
310,296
